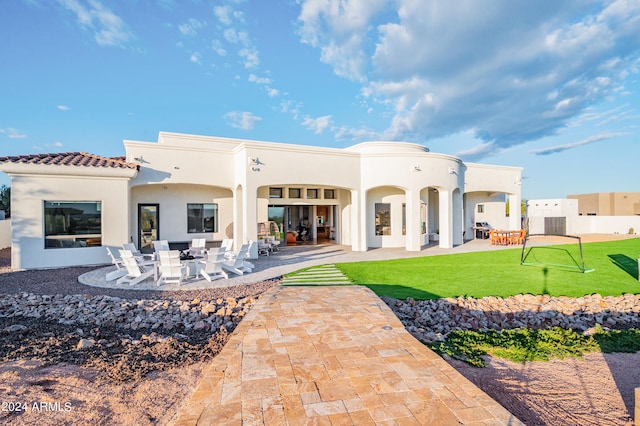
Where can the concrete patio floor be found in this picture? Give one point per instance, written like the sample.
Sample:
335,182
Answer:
288,259
332,355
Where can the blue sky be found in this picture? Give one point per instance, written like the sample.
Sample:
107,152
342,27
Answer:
553,87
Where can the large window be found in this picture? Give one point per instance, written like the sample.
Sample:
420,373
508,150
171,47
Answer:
70,224
202,218
383,219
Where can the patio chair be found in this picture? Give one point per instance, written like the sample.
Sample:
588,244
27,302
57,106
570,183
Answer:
238,265
211,267
132,248
158,246
171,269
119,264
227,245
197,246
136,271
275,244
264,247
493,235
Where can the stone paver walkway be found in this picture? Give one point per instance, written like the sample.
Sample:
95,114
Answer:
332,355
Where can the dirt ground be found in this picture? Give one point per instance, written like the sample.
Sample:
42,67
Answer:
596,390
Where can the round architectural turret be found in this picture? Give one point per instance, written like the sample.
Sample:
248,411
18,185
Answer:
384,147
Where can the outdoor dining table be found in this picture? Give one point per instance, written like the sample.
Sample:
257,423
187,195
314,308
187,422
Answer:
502,237
192,265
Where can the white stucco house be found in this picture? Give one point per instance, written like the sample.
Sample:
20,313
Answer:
67,207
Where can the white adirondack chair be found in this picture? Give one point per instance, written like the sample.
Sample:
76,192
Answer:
238,264
171,269
119,264
197,247
211,267
136,272
227,245
132,248
158,246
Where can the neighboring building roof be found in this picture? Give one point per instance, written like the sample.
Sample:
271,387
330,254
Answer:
71,159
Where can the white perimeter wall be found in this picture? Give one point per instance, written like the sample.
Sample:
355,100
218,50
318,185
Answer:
577,225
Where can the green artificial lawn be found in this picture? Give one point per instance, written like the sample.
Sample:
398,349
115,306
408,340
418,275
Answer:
499,272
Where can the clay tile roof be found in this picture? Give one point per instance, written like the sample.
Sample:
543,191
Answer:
70,159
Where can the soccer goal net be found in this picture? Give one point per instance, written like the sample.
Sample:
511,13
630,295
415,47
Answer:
564,251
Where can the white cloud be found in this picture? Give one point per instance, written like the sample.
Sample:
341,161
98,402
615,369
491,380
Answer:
12,133
227,16
339,29
223,13
63,108
512,71
236,37
356,134
291,107
242,120
218,48
266,82
565,147
259,80
479,151
317,125
250,57
109,29
196,58
191,27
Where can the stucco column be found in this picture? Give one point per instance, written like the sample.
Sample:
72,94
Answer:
458,217
445,213
515,221
413,234
238,219
250,219
358,221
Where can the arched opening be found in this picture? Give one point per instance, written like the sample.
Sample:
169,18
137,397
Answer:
386,217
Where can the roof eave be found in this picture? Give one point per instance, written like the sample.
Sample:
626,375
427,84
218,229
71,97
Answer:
64,170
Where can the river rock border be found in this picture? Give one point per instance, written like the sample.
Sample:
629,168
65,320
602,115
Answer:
128,314
433,320
428,320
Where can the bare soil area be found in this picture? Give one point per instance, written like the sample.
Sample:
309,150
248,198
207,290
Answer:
596,390
142,379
